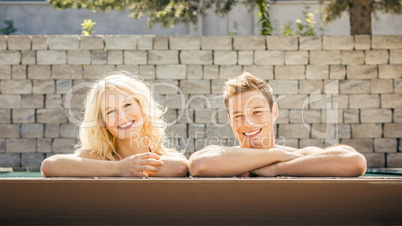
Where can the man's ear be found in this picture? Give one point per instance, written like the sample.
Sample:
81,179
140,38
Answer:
275,112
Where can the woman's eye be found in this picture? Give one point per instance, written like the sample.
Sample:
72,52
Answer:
110,112
127,105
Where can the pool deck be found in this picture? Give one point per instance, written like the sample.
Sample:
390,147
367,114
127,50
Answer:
232,200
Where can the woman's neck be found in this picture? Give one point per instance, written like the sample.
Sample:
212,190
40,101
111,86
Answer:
128,147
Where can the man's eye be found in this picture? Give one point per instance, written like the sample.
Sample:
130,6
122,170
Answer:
110,112
238,116
257,112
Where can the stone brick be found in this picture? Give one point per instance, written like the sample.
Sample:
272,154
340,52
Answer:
317,72
283,117
31,160
196,131
171,115
98,57
293,131
163,57
196,57
211,72
397,115
390,71
376,115
197,101
282,42
161,42
296,57
19,42
216,43
361,72
375,160
377,56
305,116
80,57
338,42
366,130
217,132
245,57
52,130
92,42
39,72
354,86
337,72
391,101
269,57
384,145
310,42
309,86
325,57
195,86
194,72
311,143
284,86
147,71
48,116
341,100
263,72
20,86
9,131
249,43
10,160
133,69
289,72
331,116
225,57
53,101
206,116
43,86
393,130
319,101
386,42
21,145
182,42
171,71
362,41
40,42
5,72
63,42
230,71
115,57
352,57
120,42
5,116
394,160
32,101
395,56
23,115
63,145
381,86
28,57
96,71
145,42
397,85
44,145
165,86
19,72
175,101
51,57
351,116
66,72
135,57
3,42
364,145
217,86
179,130
10,57
63,86
69,130
344,131
32,130
292,101
364,101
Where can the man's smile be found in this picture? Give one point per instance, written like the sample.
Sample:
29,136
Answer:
252,133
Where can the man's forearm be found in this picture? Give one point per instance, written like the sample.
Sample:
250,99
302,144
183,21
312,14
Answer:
174,166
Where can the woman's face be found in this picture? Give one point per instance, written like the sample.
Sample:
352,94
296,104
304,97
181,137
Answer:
122,114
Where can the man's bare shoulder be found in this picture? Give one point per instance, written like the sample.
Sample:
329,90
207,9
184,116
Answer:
286,148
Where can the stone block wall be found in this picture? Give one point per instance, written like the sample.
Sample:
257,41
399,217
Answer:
330,89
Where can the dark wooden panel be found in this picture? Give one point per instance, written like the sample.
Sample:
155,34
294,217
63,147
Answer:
201,201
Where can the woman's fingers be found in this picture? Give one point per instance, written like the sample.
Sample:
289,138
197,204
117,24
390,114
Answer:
149,168
152,162
149,155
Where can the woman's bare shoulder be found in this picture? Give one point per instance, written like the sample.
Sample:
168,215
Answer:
88,154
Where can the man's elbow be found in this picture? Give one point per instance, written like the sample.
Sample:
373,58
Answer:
196,167
360,165
182,169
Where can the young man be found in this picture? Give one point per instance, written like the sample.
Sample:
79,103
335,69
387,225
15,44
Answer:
252,113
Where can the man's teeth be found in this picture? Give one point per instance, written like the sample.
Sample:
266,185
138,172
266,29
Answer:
252,133
126,125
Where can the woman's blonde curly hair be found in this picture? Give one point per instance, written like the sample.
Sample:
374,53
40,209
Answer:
93,134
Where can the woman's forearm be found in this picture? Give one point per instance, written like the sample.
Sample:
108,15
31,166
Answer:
174,166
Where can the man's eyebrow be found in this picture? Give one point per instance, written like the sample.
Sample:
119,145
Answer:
256,107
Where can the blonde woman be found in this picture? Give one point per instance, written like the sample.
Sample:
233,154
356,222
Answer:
122,134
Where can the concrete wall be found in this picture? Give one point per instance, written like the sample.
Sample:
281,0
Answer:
40,18
330,89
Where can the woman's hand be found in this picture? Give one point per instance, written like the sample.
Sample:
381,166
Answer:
133,166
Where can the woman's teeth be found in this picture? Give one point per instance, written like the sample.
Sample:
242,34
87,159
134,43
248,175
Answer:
126,125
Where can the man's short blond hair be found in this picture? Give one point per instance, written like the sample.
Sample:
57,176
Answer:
247,82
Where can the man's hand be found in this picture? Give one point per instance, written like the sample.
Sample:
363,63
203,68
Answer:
135,165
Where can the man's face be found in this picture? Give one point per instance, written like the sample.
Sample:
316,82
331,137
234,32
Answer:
251,120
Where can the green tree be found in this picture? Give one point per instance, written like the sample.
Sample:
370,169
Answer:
360,12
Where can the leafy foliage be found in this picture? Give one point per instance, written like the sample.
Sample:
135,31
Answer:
266,25
303,28
9,29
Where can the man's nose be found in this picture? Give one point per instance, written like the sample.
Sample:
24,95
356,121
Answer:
248,122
